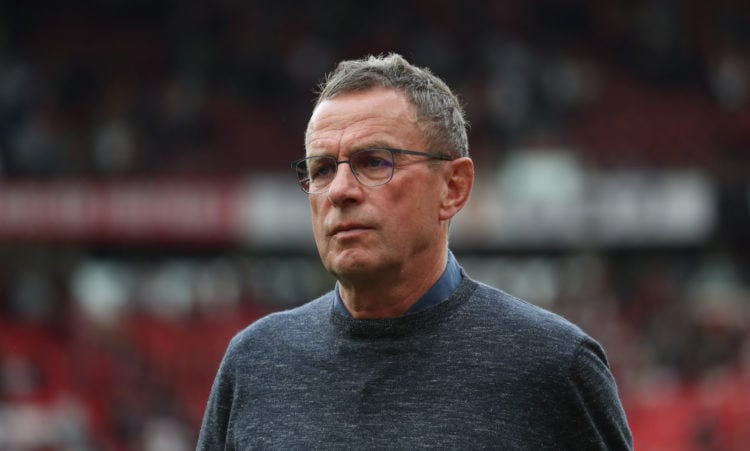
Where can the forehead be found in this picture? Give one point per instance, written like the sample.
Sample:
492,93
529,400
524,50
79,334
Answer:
349,121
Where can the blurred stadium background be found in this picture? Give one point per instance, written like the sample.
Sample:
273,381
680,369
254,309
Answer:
147,211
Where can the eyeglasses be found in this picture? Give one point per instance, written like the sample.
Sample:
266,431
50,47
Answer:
371,167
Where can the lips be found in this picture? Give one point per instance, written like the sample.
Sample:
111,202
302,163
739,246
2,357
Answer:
348,227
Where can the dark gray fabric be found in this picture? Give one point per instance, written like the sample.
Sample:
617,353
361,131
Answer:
481,370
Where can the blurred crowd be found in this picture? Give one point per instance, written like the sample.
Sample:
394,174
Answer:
109,348
154,87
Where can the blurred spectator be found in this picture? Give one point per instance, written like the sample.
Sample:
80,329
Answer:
114,147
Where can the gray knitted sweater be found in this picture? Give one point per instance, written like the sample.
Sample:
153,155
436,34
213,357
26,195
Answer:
479,370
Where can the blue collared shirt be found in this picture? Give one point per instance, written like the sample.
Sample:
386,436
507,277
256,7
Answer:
443,288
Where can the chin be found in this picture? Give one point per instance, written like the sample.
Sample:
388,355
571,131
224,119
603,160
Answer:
350,263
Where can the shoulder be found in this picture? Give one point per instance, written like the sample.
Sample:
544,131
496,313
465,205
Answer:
502,311
283,326
511,329
555,357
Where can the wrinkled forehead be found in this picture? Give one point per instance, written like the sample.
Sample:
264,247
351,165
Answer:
376,117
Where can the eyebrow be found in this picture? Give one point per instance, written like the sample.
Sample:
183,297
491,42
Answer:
370,145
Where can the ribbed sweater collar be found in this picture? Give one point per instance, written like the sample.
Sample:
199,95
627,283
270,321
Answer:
403,325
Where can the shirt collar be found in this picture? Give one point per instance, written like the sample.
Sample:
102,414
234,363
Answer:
440,291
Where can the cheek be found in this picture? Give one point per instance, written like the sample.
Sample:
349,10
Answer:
411,212
317,218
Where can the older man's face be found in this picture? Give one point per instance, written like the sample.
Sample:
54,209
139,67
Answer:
360,231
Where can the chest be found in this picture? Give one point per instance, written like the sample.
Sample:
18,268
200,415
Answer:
380,395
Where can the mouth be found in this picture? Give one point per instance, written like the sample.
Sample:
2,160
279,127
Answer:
348,229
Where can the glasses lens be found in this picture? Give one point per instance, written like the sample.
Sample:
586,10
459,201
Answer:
372,166
316,173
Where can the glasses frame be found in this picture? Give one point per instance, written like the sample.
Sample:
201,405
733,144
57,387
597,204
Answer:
393,152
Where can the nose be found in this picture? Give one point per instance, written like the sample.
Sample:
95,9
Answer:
344,187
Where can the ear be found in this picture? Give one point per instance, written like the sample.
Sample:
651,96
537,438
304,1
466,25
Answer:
459,179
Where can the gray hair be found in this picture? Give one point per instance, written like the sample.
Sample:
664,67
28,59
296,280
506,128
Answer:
438,108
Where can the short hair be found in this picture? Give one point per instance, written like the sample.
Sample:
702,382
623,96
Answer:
438,108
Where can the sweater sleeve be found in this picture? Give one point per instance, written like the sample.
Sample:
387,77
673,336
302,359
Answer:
604,424
215,427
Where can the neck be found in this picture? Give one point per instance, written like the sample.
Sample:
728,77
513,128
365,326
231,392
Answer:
391,294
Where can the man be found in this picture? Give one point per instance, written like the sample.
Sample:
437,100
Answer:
407,351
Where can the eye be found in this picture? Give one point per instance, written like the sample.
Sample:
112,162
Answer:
373,160
319,168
